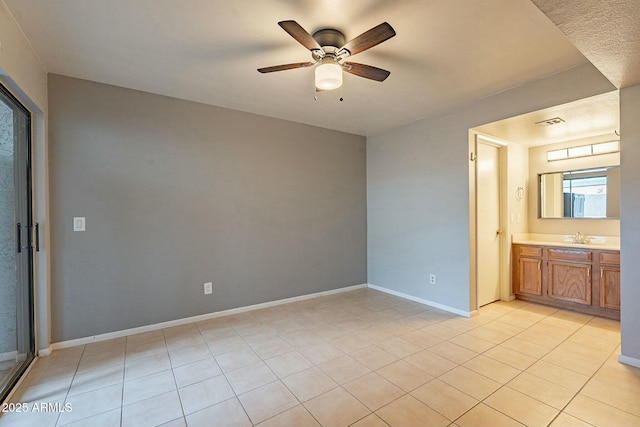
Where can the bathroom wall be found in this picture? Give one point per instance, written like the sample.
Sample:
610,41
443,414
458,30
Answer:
518,177
538,164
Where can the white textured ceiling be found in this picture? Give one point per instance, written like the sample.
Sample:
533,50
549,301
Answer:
445,53
594,116
607,32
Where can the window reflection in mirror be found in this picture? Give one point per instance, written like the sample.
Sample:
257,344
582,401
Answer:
587,193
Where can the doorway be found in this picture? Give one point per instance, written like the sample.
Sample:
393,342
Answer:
18,239
489,176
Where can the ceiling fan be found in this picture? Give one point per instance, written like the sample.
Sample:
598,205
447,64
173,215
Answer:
329,51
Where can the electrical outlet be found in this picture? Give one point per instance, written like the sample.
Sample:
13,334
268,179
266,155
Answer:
432,279
79,223
208,288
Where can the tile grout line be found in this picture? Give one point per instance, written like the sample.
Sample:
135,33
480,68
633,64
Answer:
521,371
278,379
575,394
75,372
582,388
175,382
124,371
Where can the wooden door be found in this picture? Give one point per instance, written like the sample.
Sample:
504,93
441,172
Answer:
610,287
530,277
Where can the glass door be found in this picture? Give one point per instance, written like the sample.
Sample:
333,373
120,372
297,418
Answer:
18,238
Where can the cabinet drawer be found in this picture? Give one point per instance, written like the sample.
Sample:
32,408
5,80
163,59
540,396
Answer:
569,254
530,251
610,258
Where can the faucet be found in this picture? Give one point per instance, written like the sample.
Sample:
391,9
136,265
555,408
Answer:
581,239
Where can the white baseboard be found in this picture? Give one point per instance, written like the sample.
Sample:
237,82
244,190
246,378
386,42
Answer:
186,320
425,302
44,352
10,355
631,361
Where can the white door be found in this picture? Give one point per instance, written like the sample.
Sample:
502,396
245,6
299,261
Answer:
488,223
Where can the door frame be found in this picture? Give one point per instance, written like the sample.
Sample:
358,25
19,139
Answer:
505,295
29,295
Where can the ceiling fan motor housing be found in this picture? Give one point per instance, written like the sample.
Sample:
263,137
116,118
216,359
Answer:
330,39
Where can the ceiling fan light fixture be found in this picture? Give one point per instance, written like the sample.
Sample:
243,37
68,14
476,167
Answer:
329,51
328,76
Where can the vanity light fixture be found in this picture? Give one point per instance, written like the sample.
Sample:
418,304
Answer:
606,147
584,151
557,155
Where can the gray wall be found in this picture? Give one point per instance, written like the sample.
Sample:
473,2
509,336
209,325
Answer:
418,188
177,193
630,220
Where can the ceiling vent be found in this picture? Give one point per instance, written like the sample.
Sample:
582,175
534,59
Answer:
550,122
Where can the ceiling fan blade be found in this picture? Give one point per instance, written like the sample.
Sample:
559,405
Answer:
366,71
285,67
300,34
369,39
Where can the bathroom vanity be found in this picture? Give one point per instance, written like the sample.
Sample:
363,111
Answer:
579,277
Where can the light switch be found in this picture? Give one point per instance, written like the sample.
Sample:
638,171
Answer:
78,223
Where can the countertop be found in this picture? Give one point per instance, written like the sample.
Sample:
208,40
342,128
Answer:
611,243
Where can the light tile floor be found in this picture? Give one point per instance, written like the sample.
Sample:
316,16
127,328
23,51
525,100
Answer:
359,358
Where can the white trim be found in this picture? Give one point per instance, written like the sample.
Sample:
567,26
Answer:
491,140
45,352
632,361
10,355
186,320
426,302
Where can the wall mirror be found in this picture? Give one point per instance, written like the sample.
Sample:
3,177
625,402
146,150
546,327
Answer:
587,193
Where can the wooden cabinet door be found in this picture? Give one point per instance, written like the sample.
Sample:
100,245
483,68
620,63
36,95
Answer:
610,287
530,278
570,282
